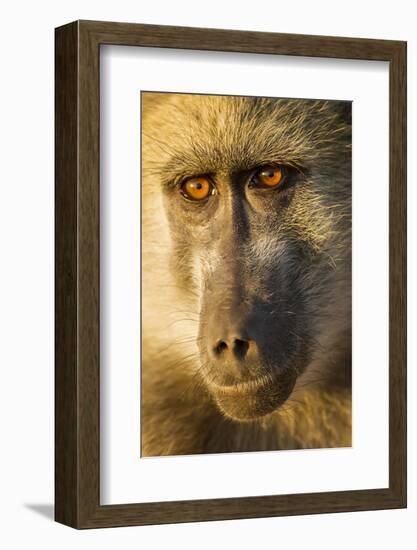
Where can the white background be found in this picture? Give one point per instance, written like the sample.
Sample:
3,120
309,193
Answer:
26,286
124,477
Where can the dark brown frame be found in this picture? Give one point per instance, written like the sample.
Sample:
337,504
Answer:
77,274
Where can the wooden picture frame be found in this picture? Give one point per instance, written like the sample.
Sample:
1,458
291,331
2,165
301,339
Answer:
77,404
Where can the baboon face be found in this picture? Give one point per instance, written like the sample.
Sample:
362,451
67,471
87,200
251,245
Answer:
256,195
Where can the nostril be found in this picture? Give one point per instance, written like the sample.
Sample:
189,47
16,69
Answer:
236,347
240,348
220,347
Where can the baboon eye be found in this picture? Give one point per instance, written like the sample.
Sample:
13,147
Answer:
197,189
268,176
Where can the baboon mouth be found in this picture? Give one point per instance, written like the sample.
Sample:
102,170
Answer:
242,388
249,400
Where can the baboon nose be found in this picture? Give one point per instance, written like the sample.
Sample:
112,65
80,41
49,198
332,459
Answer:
235,346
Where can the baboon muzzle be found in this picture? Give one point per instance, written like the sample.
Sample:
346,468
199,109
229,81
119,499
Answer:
243,367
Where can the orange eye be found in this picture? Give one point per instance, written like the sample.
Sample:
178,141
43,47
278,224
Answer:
270,176
197,189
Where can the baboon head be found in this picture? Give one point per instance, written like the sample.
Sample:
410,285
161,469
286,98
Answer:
256,197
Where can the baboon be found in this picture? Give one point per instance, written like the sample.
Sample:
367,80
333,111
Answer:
246,274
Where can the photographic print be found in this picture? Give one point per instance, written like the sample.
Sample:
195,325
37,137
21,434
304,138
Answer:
246,274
